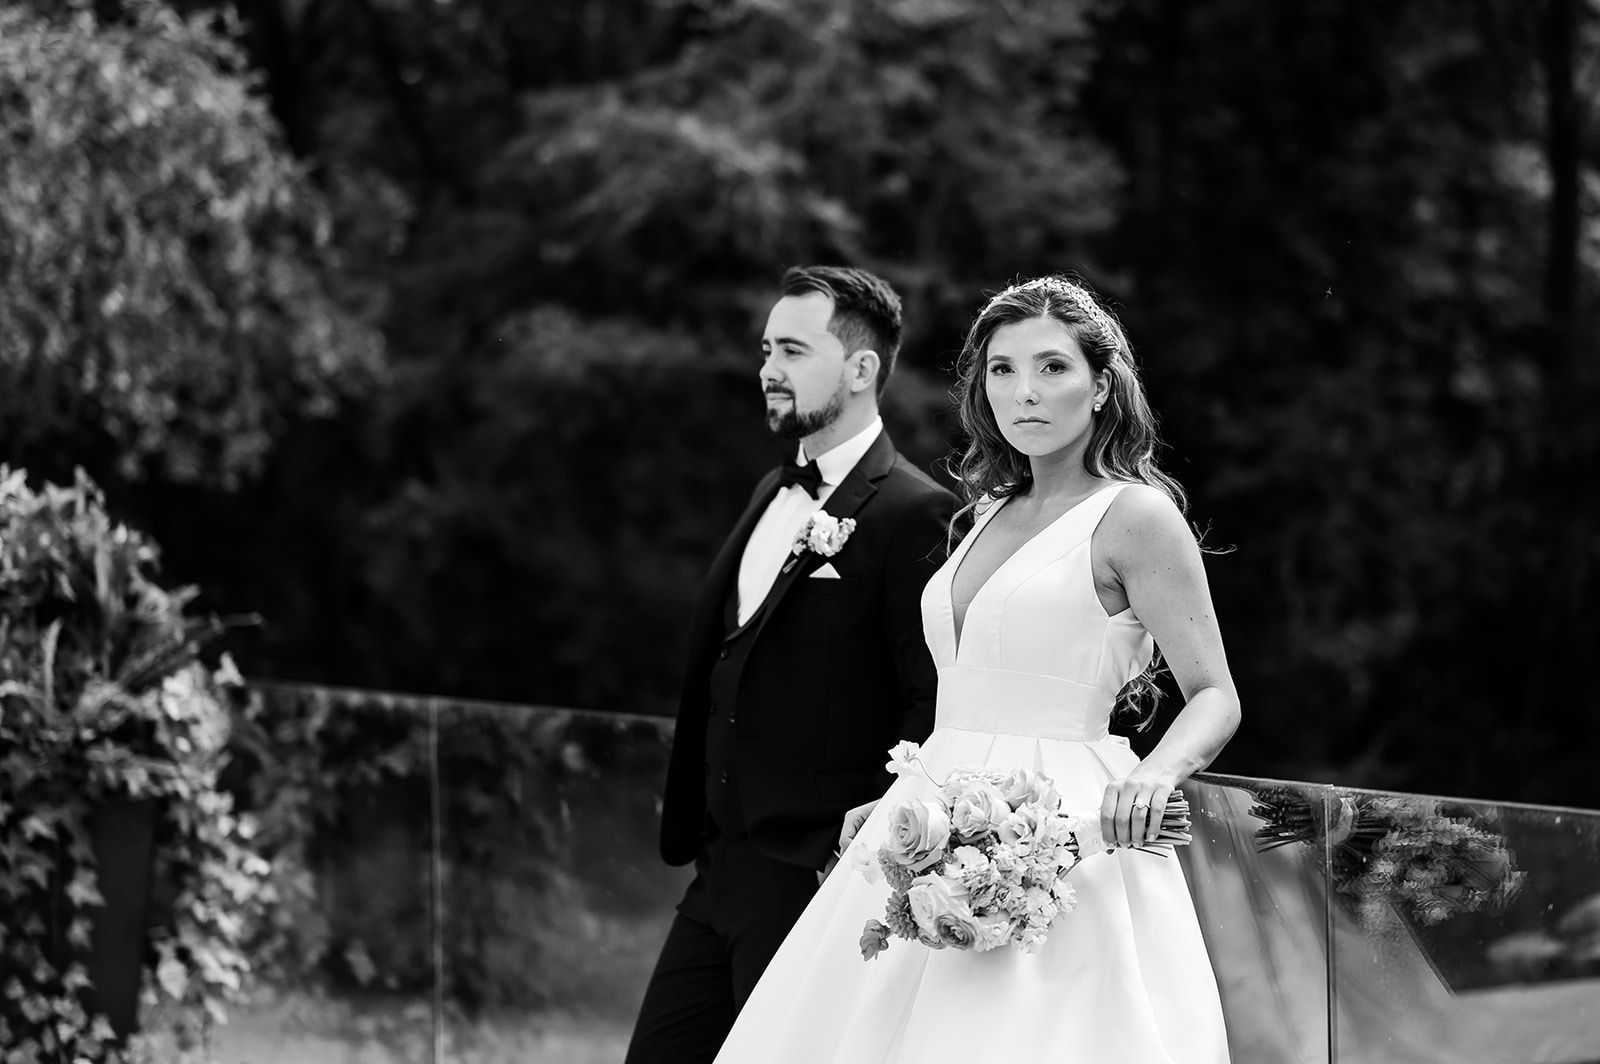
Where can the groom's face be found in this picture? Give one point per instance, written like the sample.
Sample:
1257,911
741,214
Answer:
803,367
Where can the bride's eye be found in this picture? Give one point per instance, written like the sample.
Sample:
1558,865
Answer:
998,368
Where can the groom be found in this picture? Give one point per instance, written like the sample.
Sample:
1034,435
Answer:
806,662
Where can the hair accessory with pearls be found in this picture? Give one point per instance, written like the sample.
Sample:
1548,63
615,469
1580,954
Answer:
1080,298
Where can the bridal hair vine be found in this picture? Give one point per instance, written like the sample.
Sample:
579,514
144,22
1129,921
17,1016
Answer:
1075,294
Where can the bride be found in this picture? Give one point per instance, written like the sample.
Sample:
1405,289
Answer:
1044,621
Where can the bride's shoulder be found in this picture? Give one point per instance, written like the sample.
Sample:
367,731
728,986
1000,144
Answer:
1142,516
1137,497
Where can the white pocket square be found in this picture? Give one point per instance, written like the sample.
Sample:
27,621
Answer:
826,572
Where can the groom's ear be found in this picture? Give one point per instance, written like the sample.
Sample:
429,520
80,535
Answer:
864,373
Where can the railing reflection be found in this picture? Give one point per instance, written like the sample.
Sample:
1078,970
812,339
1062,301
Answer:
1440,930
477,882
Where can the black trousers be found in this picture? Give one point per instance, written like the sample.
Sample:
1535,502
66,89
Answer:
730,922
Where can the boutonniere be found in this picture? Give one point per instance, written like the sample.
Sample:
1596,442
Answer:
823,535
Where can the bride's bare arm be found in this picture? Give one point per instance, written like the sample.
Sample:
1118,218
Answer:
1149,547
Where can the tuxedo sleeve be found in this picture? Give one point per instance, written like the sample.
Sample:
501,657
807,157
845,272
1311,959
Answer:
917,547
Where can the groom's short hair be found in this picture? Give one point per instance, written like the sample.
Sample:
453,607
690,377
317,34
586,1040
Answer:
866,310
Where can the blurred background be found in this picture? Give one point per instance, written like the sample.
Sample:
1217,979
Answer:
427,329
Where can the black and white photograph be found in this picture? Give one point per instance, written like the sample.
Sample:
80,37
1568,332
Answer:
799,531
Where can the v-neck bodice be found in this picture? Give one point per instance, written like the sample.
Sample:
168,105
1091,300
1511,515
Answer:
1038,621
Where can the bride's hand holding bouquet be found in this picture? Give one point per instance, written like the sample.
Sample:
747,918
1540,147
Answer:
984,862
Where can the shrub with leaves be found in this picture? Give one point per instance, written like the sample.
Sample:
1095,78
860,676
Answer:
104,700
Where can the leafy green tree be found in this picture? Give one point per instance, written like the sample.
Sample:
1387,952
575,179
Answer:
936,140
1355,246
575,421
168,299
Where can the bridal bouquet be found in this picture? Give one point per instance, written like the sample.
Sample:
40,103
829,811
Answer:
984,863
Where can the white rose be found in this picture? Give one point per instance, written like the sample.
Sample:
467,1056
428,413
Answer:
918,833
932,896
1022,787
825,534
1020,830
978,809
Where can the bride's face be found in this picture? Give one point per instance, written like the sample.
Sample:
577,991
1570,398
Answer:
1040,386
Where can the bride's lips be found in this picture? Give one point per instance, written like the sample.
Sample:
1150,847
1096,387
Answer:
1029,421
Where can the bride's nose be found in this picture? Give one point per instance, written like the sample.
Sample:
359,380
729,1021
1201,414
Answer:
1026,394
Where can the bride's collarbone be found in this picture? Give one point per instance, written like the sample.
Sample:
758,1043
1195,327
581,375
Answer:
1003,535
999,539
1024,517
1021,520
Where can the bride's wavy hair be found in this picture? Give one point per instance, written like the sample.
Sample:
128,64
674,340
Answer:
1122,443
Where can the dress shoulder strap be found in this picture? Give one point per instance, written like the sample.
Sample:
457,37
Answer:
1085,517
1096,505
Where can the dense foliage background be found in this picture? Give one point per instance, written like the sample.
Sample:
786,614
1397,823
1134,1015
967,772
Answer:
426,328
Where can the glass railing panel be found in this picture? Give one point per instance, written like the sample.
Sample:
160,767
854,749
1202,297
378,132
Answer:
1257,871
554,901
1465,931
340,783
476,883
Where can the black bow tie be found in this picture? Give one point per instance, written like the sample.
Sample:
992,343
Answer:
808,476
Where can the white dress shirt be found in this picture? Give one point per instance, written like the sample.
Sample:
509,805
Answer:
770,542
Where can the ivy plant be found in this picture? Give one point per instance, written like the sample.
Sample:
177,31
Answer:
105,699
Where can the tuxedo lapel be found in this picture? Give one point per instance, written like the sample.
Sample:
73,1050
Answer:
859,485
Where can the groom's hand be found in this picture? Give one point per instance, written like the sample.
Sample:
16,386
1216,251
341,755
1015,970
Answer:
852,824
847,834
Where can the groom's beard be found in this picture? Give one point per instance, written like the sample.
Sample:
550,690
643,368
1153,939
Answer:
790,424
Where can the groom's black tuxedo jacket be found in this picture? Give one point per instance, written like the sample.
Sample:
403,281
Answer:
784,724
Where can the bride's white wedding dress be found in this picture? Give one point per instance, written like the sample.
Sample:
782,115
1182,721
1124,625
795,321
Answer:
1123,978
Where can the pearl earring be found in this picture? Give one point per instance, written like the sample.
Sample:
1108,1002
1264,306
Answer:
1097,408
